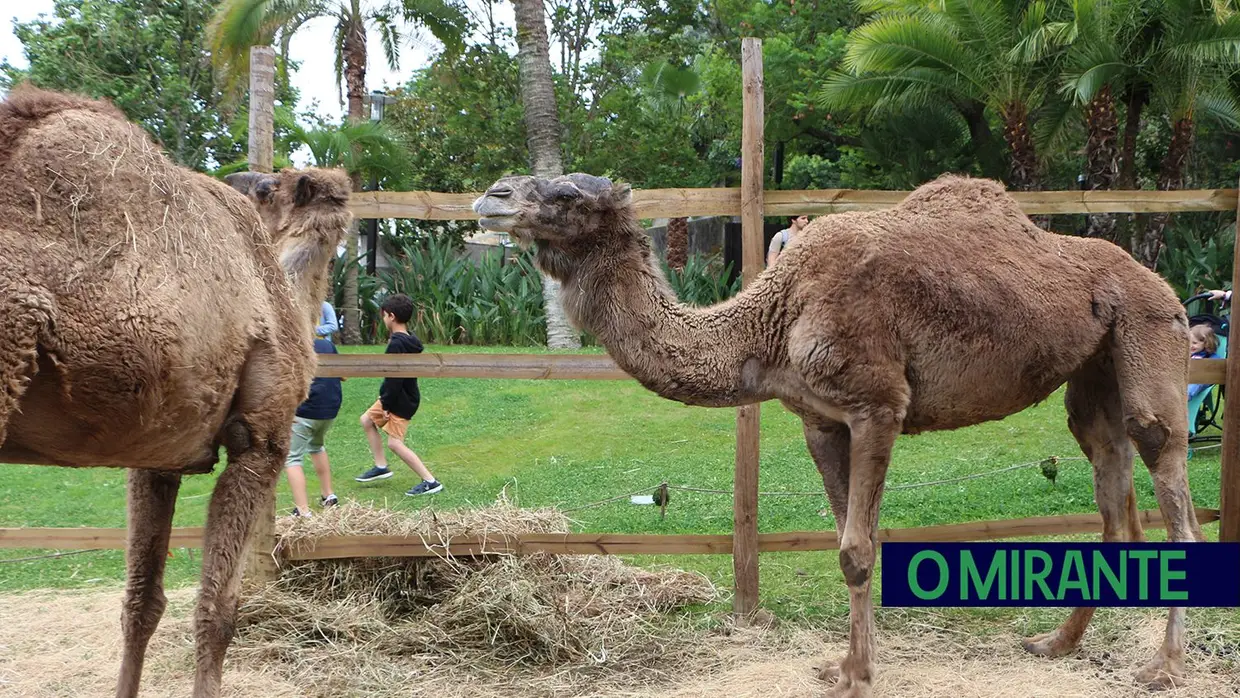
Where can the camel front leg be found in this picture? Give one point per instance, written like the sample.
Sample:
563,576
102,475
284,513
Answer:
152,499
873,437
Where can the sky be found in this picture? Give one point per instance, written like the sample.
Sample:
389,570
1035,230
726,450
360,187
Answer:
311,46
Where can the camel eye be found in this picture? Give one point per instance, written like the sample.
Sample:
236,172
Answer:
565,192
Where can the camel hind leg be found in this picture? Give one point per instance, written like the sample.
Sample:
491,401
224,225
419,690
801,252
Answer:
257,440
1096,420
1151,364
29,313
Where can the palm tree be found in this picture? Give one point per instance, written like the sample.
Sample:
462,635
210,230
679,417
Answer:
1196,54
1103,44
914,55
542,135
240,24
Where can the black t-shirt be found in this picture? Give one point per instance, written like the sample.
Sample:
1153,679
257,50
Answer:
400,396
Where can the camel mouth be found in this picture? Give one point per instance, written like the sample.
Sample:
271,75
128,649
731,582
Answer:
498,223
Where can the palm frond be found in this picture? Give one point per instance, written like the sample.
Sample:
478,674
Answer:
1058,122
1221,106
389,37
443,18
339,37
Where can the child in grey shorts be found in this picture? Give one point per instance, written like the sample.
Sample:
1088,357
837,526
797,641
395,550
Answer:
314,418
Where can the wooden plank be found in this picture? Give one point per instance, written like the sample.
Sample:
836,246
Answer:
434,365
339,547
87,538
748,427
1207,371
1229,478
336,547
551,366
671,203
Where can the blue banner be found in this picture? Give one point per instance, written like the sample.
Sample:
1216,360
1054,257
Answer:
1061,574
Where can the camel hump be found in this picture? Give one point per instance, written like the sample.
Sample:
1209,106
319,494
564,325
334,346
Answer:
26,105
953,195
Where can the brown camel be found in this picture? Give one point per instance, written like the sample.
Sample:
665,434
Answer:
950,309
148,322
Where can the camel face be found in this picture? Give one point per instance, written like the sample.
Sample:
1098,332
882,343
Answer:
290,202
534,209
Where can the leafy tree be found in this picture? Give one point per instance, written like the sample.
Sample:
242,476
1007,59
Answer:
146,57
240,24
1193,60
970,54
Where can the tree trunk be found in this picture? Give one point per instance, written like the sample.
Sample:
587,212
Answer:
355,87
542,135
1024,157
1135,99
677,243
1170,176
1102,158
982,140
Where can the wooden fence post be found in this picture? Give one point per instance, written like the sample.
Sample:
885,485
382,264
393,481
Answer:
745,497
260,567
1229,489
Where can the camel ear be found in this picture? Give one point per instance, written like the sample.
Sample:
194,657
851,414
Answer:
307,188
622,194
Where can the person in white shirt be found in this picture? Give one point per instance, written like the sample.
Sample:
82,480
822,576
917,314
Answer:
784,238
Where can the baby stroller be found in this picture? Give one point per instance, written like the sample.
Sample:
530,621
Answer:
1205,408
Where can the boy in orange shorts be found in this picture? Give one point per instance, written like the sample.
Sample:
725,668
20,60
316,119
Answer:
398,402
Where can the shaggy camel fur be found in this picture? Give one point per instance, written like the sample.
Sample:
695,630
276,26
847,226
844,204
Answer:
148,322
947,310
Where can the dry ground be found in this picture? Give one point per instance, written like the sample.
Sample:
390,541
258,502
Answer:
60,643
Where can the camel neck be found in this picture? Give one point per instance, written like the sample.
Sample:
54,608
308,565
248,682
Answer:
698,356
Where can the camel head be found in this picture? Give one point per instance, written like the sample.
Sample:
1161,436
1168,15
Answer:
306,213
298,203
551,212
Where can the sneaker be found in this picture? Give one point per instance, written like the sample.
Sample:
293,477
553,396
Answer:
424,487
375,473
299,514
328,501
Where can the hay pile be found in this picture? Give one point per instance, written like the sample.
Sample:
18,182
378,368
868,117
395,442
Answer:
490,614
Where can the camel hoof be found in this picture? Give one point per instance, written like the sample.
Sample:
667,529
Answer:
829,671
1048,645
1162,673
853,689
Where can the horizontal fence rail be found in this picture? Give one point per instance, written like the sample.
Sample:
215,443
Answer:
552,366
673,203
434,365
341,547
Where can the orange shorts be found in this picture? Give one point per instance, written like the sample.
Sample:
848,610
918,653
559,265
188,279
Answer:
389,423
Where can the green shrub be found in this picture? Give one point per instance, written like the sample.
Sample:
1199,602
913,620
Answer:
458,301
703,281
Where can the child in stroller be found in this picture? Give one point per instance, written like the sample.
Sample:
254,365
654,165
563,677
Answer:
1205,401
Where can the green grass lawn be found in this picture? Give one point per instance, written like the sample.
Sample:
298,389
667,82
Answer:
572,443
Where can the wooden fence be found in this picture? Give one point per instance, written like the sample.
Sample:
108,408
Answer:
744,544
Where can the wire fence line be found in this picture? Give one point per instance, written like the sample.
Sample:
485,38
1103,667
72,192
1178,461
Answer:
1052,461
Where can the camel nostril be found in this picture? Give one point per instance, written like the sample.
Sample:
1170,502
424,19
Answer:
499,192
